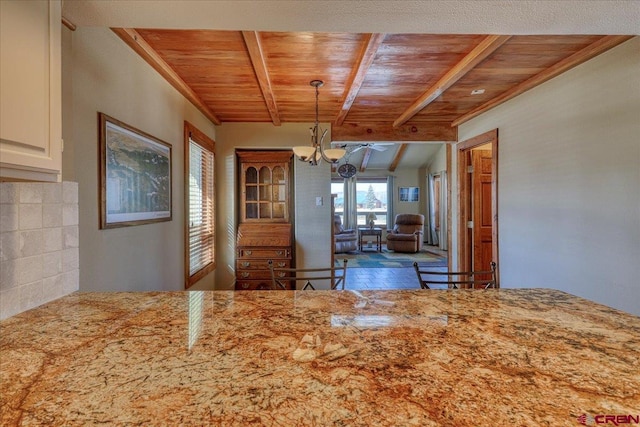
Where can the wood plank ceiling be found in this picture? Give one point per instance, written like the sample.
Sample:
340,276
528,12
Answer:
378,87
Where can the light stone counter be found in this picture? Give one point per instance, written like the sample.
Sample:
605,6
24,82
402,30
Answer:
396,358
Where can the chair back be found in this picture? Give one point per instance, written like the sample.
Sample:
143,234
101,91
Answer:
408,223
280,277
456,279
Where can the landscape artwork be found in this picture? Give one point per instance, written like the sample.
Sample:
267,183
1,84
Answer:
135,176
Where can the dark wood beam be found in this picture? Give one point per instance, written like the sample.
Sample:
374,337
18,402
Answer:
142,48
396,159
365,159
473,58
380,131
594,49
359,72
254,47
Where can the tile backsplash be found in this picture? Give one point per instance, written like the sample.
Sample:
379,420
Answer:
39,255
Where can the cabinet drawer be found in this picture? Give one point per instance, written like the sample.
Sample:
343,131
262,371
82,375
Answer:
264,253
253,285
254,274
261,264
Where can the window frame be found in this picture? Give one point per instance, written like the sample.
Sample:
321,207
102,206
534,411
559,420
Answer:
350,199
372,180
191,133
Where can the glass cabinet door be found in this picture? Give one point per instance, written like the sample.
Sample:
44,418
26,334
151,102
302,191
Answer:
278,193
251,192
265,193
264,185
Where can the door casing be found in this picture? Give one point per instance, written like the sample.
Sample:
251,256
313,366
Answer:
465,246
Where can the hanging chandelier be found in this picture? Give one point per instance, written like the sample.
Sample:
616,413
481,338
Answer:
314,153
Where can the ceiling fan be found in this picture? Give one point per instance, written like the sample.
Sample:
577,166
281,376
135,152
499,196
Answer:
352,148
347,170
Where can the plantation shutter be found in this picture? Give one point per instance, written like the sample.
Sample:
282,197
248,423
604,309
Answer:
201,208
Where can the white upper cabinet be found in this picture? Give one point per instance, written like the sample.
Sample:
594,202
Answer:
30,90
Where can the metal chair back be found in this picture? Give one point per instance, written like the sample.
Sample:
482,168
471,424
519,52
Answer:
479,279
280,277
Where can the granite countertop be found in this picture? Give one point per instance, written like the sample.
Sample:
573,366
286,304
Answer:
397,358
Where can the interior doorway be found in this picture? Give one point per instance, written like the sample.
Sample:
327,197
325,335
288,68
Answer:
478,201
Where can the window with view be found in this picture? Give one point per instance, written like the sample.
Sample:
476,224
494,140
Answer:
200,205
370,198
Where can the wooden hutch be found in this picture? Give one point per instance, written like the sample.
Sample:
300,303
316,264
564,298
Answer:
265,230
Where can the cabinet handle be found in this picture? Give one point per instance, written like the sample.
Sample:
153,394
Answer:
245,285
282,264
246,264
244,274
280,253
247,252
281,274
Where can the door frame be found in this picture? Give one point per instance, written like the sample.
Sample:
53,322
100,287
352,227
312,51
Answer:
464,194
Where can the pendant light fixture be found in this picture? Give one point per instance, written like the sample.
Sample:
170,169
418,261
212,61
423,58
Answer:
314,153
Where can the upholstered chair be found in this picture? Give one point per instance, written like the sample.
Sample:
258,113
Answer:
407,233
346,239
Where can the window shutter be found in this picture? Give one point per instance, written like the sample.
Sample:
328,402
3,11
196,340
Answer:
201,208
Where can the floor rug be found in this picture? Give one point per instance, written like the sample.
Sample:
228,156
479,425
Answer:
389,259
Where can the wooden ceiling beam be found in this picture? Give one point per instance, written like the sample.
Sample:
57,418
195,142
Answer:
144,49
488,45
365,159
254,47
594,49
396,159
384,131
367,54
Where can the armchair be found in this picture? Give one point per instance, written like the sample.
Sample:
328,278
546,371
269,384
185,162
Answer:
346,239
407,233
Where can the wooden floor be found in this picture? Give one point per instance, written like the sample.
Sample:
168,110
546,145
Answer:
385,278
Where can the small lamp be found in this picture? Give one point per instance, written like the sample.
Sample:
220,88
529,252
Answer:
371,218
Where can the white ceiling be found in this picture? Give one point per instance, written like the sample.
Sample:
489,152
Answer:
408,16
417,155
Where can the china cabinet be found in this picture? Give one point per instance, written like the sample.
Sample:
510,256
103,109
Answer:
265,229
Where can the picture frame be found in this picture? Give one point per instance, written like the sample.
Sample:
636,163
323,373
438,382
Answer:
135,175
409,194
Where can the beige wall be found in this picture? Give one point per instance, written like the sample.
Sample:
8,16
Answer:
68,157
107,76
569,181
409,178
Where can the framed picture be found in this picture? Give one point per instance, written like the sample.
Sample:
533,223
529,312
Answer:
409,194
135,176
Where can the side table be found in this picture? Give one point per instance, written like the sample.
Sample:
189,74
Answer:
375,231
